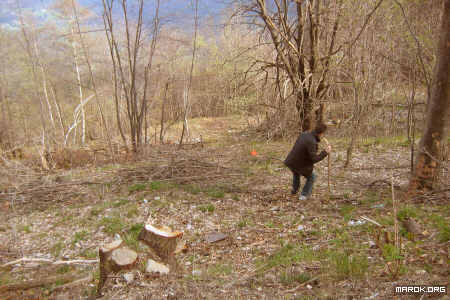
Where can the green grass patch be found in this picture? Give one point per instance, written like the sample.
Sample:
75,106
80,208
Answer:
89,254
286,256
25,228
137,187
269,225
346,211
66,219
289,276
63,269
244,222
160,185
131,236
347,266
191,189
57,248
120,202
407,212
132,211
391,253
215,193
155,185
385,220
79,236
5,278
387,141
442,225
95,212
220,269
207,208
341,240
211,191
112,225
371,197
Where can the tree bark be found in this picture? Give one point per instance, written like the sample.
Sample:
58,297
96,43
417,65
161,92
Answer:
428,158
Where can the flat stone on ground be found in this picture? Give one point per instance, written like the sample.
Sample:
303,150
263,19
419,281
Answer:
155,267
215,237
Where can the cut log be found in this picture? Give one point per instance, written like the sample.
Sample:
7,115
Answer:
114,257
111,246
162,240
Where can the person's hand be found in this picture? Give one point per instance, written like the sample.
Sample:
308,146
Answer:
329,149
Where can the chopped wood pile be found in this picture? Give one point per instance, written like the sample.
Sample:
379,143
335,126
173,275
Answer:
116,256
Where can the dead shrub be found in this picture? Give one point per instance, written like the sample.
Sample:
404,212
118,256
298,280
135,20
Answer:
68,158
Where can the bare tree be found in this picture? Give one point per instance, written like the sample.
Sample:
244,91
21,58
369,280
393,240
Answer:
91,73
187,89
33,66
126,68
438,107
299,33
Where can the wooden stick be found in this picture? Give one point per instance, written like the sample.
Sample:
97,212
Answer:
329,166
329,186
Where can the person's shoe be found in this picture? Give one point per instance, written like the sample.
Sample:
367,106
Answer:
293,192
302,198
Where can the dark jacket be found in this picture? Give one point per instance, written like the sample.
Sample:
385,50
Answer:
303,155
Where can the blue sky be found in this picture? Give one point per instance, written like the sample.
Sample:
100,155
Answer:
179,10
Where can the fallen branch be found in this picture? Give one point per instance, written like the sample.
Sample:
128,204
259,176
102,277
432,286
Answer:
38,282
379,168
49,261
74,283
53,187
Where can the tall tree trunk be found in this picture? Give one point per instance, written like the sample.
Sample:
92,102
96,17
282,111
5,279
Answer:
304,108
77,69
91,73
428,158
188,88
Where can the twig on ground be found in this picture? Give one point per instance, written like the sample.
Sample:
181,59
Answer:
371,221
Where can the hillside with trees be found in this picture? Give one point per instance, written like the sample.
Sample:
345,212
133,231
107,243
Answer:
142,146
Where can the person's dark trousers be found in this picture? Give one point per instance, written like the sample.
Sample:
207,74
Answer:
295,182
307,189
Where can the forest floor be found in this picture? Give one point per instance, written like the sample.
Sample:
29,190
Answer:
276,247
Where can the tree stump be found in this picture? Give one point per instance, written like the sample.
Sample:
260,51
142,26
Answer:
114,257
163,241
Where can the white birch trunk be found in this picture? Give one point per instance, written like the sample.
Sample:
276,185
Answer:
77,69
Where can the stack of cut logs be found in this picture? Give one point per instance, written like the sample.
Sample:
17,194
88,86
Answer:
115,256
